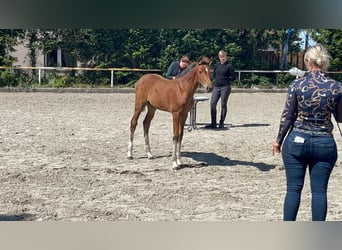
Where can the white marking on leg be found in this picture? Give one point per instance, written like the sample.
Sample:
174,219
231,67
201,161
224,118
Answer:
179,160
174,154
130,148
174,164
147,147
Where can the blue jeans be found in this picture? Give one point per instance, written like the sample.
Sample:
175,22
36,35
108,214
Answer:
319,153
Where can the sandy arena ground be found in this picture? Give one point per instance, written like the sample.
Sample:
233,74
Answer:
63,158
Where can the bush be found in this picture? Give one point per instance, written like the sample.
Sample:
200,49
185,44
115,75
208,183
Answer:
284,80
256,80
8,78
264,80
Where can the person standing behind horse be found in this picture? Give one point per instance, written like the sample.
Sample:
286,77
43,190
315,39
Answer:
223,75
177,67
306,126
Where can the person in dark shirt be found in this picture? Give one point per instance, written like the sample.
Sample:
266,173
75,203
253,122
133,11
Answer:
305,133
177,67
223,74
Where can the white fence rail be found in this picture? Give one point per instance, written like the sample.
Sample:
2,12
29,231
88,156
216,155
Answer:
66,69
113,70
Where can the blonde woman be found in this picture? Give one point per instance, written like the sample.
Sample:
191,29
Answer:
223,75
305,134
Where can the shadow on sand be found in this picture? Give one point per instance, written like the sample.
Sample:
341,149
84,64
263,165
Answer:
247,125
230,126
208,159
17,217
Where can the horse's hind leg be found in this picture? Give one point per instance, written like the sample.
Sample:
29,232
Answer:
134,122
147,122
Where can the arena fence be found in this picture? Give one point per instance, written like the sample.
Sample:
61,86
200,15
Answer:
240,72
41,70
65,70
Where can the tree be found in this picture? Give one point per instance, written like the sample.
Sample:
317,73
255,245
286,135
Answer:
157,48
332,39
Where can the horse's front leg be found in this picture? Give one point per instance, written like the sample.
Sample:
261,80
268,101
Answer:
181,124
176,160
175,140
178,129
178,153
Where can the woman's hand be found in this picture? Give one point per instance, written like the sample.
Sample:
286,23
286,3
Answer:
275,148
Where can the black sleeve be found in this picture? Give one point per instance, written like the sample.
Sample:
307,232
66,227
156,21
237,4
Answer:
171,70
288,116
232,74
214,72
338,107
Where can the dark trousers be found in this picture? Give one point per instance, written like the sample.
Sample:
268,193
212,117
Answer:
318,153
223,93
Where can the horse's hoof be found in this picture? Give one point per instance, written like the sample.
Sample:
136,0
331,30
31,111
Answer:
130,157
150,156
175,165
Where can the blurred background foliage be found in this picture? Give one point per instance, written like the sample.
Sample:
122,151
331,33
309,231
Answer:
248,49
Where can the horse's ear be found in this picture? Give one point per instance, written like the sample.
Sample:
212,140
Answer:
202,63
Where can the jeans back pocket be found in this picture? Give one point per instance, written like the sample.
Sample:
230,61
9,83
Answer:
325,148
296,144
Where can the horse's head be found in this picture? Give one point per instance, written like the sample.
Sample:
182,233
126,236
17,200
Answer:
204,60
204,71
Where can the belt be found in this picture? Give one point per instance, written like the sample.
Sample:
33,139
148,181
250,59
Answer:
310,132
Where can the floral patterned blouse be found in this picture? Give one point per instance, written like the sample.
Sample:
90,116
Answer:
309,104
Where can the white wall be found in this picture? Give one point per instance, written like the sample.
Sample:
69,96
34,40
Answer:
23,58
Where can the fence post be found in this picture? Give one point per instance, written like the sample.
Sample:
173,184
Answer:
111,78
39,76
